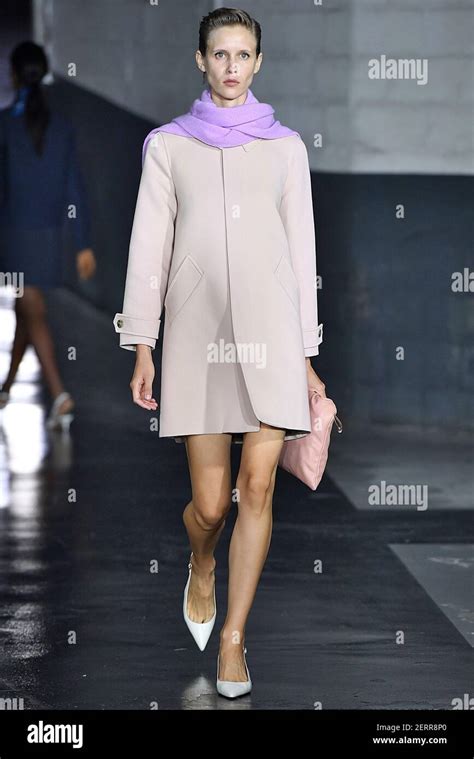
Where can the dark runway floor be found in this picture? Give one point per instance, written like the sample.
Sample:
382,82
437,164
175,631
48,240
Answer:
346,615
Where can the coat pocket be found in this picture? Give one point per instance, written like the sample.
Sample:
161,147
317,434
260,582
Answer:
288,281
181,287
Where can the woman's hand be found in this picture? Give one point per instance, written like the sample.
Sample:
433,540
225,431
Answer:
314,382
142,380
85,263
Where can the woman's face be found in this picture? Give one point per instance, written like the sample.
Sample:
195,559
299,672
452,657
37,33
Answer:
230,63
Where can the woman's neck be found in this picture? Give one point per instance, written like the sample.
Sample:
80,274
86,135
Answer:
225,103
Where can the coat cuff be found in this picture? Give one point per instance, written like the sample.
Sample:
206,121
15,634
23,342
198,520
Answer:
312,338
134,331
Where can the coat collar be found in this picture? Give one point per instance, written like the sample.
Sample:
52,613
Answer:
250,145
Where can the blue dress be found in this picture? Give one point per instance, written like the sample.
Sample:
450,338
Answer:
37,194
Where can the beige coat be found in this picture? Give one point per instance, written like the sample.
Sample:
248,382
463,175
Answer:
223,239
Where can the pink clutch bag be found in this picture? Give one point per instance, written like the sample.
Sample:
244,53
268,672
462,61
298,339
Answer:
306,457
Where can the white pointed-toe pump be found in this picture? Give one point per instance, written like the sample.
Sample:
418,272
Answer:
231,688
201,631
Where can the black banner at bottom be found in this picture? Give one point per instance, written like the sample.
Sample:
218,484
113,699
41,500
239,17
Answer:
423,733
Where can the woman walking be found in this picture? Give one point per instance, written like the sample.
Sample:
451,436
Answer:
223,239
40,186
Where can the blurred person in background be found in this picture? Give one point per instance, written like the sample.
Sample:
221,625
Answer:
41,186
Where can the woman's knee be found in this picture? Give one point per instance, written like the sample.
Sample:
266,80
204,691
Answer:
211,508
255,488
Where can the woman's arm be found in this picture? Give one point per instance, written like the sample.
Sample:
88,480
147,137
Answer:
150,251
296,211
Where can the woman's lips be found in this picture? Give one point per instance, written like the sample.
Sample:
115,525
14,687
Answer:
230,82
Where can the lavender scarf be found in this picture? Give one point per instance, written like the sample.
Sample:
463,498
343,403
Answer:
225,127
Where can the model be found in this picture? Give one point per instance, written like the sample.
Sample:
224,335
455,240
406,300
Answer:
41,189
223,239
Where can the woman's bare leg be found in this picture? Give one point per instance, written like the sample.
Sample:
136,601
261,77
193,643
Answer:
204,516
32,307
20,344
250,541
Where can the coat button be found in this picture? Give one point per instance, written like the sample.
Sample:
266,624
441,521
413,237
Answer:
119,323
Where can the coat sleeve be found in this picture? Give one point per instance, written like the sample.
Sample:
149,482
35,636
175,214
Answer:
77,194
150,251
296,211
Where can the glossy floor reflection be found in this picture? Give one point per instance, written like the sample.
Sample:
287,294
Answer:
93,564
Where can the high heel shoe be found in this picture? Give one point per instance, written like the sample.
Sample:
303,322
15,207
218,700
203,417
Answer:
201,631
231,688
55,418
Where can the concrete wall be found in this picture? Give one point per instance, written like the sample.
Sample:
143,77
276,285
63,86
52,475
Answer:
315,73
386,281
135,55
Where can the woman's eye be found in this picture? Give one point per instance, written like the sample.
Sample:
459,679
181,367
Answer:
221,53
